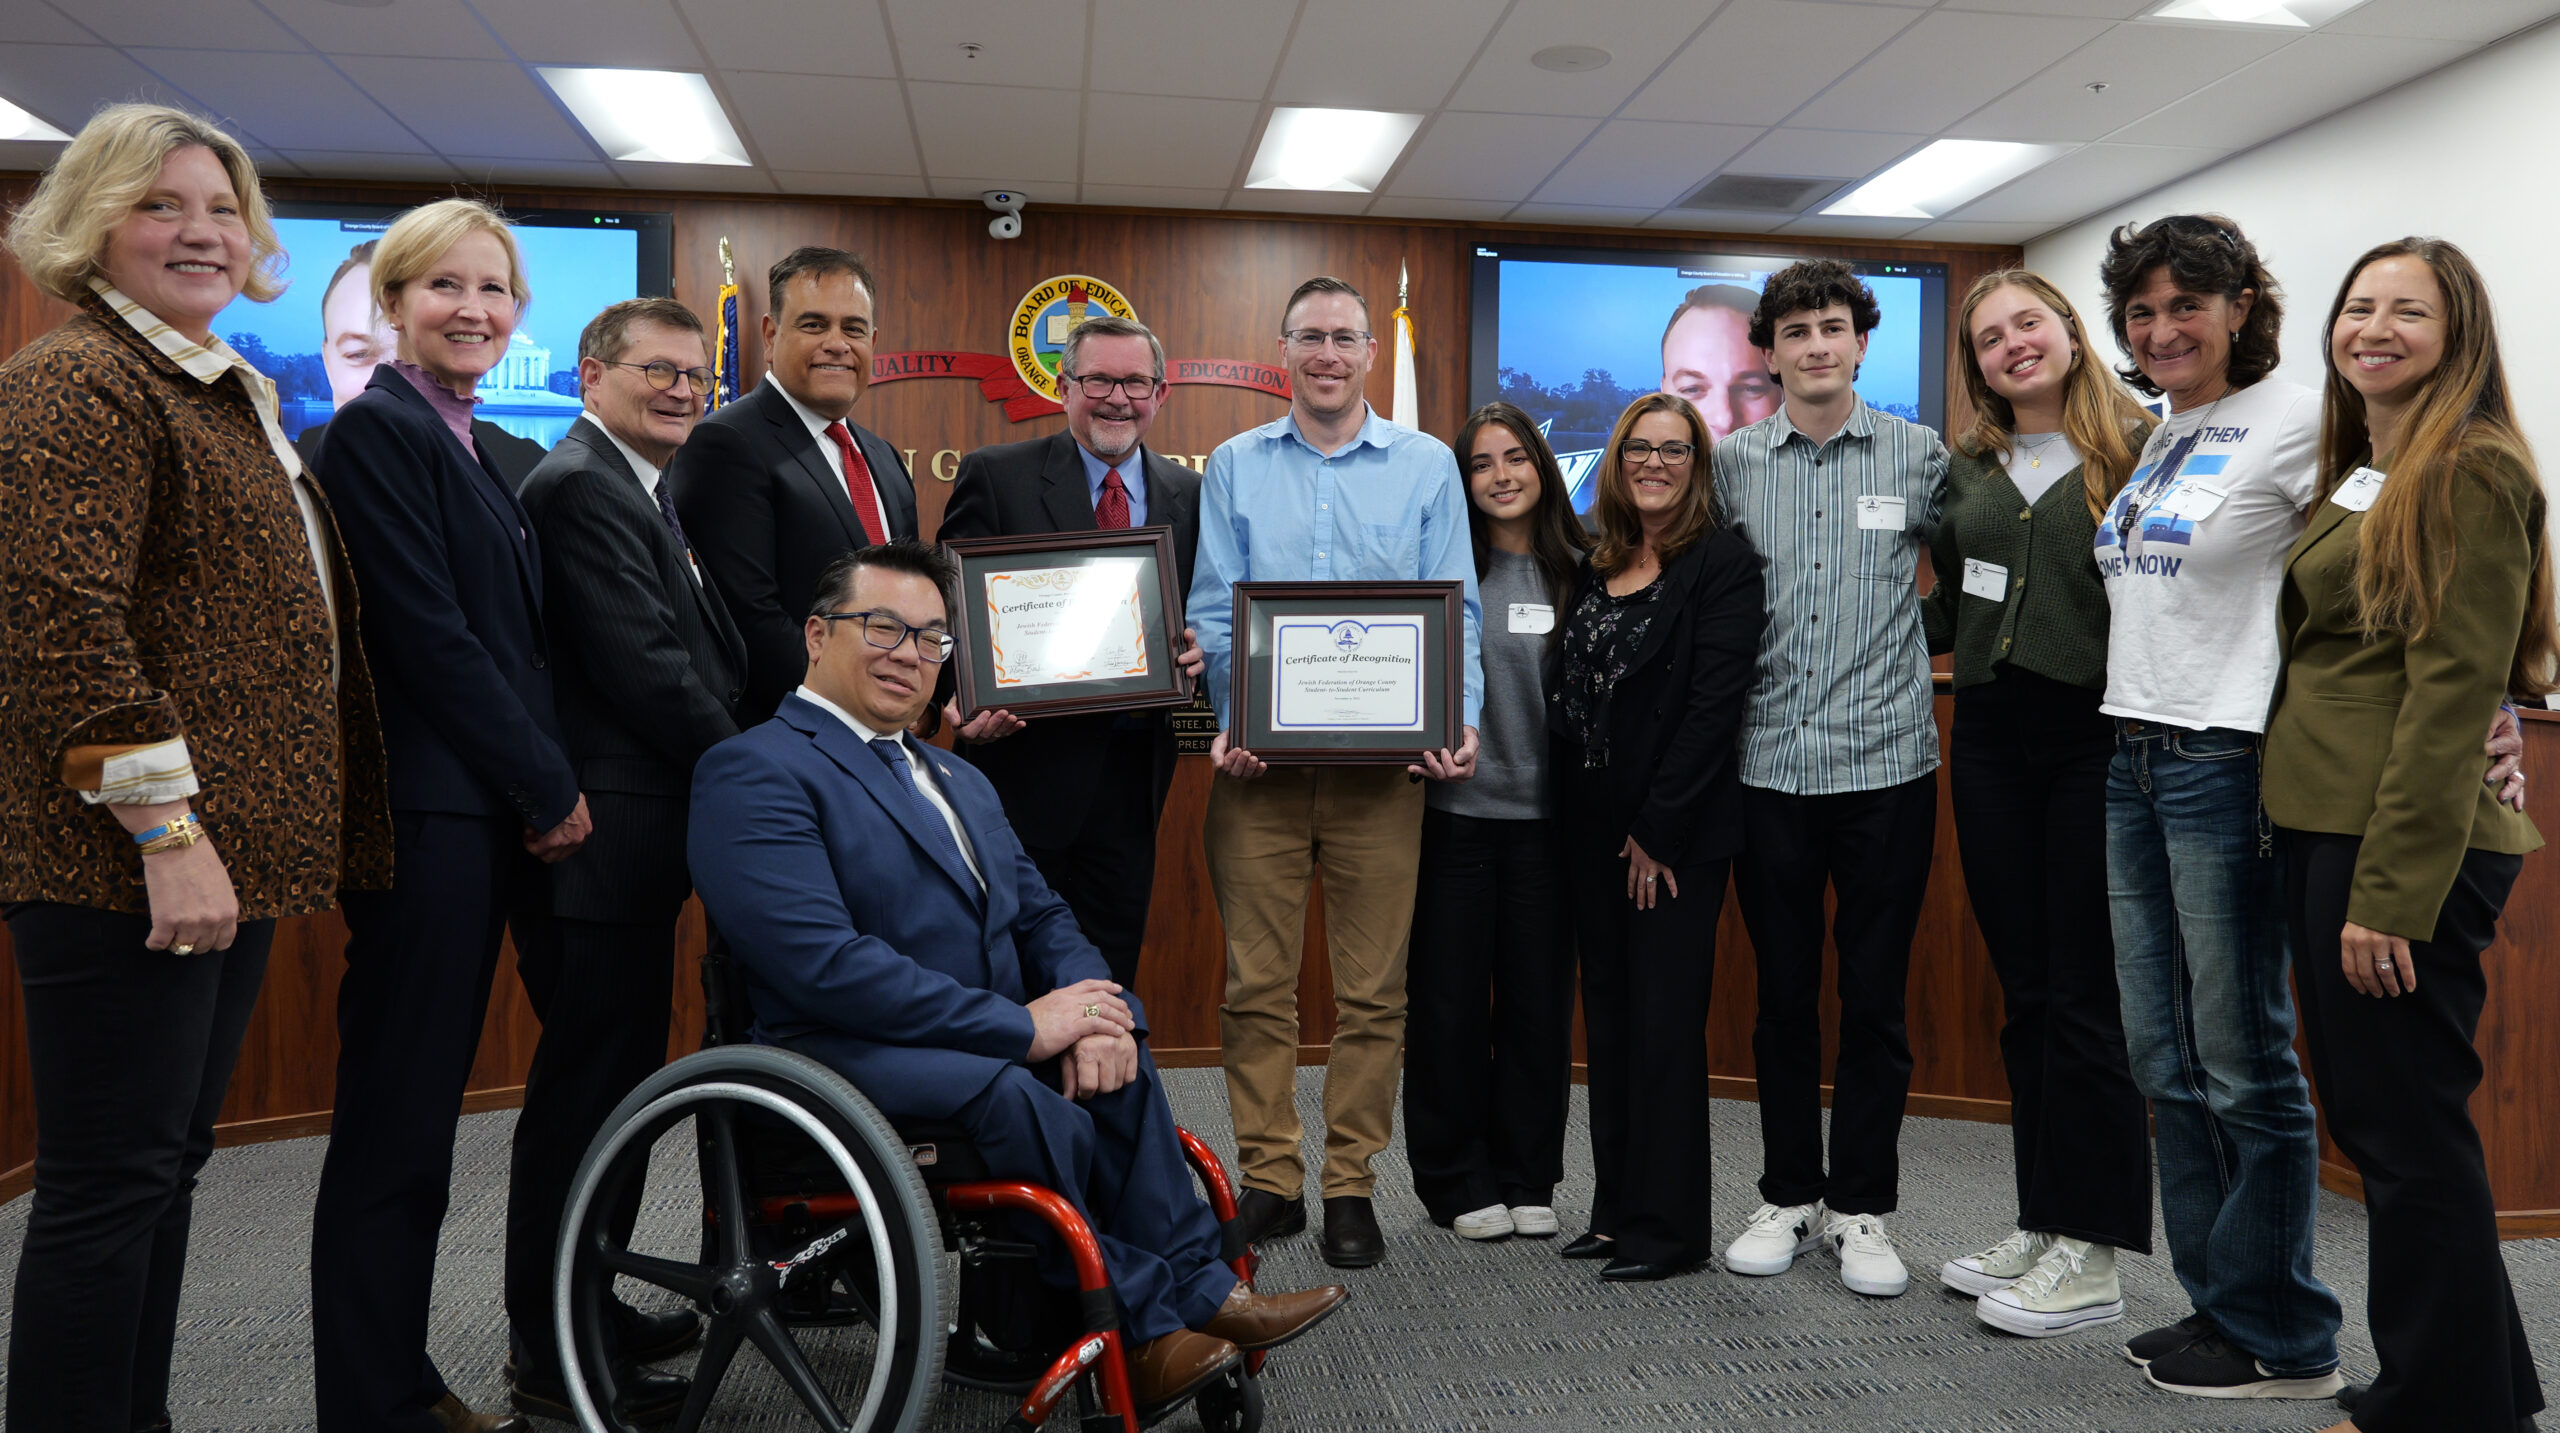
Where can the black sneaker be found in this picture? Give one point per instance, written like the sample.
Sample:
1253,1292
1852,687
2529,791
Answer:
2140,1349
2212,1368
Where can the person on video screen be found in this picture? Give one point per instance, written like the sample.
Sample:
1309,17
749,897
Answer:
353,337
1708,359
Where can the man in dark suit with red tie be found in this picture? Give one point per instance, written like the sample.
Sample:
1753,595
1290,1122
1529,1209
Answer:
1083,792
778,484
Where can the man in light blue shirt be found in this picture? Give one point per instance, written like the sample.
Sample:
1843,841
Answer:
1331,492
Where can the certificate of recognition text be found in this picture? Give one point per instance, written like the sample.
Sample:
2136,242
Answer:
1050,625
1347,673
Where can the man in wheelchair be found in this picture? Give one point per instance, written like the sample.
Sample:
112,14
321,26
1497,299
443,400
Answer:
889,925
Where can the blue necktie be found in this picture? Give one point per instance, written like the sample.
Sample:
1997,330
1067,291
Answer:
894,752
667,510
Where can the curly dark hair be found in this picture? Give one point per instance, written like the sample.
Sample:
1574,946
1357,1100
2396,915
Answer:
2204,254
1813,284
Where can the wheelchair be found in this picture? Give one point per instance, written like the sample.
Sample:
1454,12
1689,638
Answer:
885,1251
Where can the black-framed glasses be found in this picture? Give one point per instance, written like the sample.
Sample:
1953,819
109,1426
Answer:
1636,452
1099,386
662,374
885,632
1341,340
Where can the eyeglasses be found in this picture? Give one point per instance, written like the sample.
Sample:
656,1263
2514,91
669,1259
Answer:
1342,340
662,374
1636,451
1099,386
885,632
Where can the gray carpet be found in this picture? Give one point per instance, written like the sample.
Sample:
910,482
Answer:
1444,1336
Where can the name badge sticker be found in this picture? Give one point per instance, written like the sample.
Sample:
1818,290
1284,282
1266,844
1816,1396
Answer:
1987,580
1880,512
1534,618
2192,501
2357,493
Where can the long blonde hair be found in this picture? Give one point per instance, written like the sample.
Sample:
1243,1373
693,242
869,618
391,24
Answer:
1613,508
2405,554
60,234
2099,418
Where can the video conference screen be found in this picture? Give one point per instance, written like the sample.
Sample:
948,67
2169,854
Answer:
1574,335
321,340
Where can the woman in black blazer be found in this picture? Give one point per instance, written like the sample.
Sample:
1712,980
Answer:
1644,707
482,794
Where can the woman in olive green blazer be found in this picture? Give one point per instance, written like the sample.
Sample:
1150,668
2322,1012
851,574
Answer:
2417,598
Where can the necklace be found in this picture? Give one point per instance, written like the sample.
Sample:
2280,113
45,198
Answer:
2036,451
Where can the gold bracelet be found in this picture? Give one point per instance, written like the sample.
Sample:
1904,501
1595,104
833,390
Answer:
182,831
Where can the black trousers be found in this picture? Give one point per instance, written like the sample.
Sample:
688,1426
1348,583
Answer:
129,1051
1872,848
1645,981
1107,873
1488,1032
2029,783
420,959
602,991
2395,1076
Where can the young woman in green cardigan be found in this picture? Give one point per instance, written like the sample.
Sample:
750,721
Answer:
2417,598
2019,603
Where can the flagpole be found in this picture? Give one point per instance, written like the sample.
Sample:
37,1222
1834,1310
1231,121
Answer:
1404,406
724,357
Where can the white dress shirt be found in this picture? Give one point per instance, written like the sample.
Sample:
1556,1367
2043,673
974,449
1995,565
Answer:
649,477
827,448
926,780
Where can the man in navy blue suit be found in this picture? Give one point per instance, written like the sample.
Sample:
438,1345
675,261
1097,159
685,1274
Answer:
889,924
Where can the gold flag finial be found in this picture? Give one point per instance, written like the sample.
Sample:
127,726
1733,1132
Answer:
728,264
1404,280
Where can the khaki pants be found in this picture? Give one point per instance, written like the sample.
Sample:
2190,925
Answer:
1265,839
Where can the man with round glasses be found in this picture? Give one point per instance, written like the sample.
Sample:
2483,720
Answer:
1085,791
649,669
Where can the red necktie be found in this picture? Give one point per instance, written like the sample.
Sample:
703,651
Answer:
857,484
1113,509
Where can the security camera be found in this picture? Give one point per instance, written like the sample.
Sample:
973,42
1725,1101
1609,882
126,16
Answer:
1008,206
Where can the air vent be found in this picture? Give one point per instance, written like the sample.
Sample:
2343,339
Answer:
1770,193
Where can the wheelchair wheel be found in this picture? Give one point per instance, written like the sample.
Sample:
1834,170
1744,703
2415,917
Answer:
851,1269
1230,1403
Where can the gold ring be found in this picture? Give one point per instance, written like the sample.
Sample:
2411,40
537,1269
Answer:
182,948
1093,1012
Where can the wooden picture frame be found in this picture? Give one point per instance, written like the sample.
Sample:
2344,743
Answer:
1113,653
1320,671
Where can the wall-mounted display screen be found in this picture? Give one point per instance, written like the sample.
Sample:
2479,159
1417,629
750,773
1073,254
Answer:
1573,335
320,341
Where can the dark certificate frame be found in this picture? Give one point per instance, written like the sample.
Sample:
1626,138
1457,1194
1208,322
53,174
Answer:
1264,609
1160,623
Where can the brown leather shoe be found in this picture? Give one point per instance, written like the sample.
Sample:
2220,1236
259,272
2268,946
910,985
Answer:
1254,1321
1167,1370
455,1416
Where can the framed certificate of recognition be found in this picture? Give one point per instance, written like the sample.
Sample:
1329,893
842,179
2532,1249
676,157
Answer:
1348,673
1068,622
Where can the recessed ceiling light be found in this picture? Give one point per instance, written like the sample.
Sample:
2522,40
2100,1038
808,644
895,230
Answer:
2288,14
1571,59
1344,150
1943,177
649,116
16,123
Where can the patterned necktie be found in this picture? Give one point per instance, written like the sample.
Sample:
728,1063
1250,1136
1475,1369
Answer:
1113,509
857,484
894,752
667,510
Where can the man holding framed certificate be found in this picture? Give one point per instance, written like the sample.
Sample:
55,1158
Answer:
1358,604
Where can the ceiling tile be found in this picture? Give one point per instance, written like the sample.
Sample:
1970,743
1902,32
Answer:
445,28
1184,47
2311,77
2090,9
1760,59
380,168
1364,55
2143,67
1297,201
1154,196
635,34
1397,207
33,22
1026,136
1824,153
1152,139
1644,164
719,178
1021,44
1486,156
1638,35
809,37
824,124
1598,216
1845,227
206,24
2085,181
504,111
1959,231
65,84
1719,221
1941,69
1038,192
287,101
2481,20
546,173
883,186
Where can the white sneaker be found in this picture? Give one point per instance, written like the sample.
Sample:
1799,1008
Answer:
2073,1284
1997,1267
1533,1221
1491,1222
1868,1264
1777,1234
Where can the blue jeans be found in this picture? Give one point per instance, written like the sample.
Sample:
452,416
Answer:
2195,888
